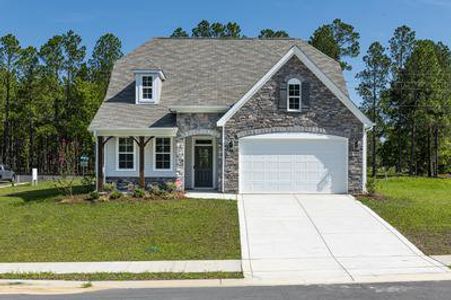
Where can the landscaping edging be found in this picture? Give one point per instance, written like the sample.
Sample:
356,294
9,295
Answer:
176,266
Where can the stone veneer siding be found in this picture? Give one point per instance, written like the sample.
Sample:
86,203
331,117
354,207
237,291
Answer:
326,115
123,181
197,124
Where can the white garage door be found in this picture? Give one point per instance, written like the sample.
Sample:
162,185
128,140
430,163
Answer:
293,163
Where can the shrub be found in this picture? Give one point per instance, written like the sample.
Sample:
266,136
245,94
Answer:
170,186
115,195
109,187
371,186
138,193
94,195
154,189
88,182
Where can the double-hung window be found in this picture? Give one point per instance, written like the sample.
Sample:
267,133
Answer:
163,153
126,153
294,95
147,88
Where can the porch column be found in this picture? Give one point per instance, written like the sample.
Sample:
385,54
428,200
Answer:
180,162
100,159
142,179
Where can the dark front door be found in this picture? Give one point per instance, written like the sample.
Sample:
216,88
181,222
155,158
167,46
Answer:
203,166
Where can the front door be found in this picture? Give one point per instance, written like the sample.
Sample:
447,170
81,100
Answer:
203,165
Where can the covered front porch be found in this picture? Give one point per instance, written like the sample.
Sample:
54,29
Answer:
147,156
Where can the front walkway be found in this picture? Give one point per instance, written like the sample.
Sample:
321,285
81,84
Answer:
323,237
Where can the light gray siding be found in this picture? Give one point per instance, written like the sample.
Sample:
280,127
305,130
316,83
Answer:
111,161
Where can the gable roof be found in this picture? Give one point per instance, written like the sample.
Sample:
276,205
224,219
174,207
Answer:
315,69
199,72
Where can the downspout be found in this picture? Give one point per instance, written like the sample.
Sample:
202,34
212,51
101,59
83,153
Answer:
223,158
364,156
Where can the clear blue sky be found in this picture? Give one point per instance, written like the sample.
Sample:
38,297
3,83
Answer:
34,21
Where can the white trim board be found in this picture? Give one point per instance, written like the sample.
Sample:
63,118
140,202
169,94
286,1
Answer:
295,51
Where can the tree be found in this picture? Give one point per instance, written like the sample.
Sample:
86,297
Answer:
179,33
28,67
373,82
345,37
232,30
107,50
271,34
401,46
9,55
426,86
202,30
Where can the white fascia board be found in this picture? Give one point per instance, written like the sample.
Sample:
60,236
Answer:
199,109
137,132
295,51
159,72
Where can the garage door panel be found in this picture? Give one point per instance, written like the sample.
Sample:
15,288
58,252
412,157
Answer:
286,166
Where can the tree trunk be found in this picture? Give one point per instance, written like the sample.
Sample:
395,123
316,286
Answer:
6,145
412,149
399,161
429,152
436,154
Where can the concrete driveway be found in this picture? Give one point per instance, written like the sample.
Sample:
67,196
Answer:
323,237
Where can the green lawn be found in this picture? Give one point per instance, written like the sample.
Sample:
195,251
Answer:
418,207
35,227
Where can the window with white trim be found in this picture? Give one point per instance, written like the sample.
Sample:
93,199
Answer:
294,95
126,153
147,88
163,153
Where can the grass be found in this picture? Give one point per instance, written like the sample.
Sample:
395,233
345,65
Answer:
418,207
120,276
34,227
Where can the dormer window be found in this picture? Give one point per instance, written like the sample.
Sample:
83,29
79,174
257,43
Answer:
146,88
294,95
148,85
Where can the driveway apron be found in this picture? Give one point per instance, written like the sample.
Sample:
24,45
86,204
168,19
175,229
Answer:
322,237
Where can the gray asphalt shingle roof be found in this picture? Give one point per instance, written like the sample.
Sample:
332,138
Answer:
213,72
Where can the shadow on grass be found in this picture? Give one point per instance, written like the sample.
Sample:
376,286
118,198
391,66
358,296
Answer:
50,193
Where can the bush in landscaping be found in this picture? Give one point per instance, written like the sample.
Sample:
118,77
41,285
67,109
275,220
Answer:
371,186
94,195
170,186
115,195
109,187
138,193
88,182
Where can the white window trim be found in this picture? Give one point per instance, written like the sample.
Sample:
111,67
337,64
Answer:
294,81
117,156
140,87
171,153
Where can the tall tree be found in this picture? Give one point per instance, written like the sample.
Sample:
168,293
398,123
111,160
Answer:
28,68
271,34
179,33
202,30
9,55
426,84
373,82
401,46
232,30
107,50
345,37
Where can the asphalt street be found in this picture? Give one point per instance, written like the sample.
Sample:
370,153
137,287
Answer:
407,291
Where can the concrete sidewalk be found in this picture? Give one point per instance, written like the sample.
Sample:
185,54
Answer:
184,266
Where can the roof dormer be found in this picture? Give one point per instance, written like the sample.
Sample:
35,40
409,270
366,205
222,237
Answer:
148,85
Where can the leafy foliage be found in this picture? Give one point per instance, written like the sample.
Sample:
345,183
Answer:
338,40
